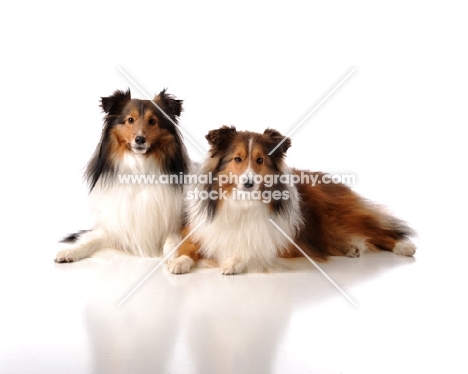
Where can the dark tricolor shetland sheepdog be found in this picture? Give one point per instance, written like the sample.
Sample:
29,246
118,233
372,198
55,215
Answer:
139,137
238,232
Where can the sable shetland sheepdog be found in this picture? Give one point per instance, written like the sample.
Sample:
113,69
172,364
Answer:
323,220
137,138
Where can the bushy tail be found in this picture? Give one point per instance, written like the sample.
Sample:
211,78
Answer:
400,228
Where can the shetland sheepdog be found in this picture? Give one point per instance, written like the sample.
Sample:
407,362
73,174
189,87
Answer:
246,224
139,137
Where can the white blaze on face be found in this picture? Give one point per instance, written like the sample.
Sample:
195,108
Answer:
248,180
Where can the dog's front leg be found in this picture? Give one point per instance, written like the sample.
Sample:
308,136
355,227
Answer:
83,246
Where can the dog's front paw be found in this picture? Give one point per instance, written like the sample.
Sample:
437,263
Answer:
65,255
232,267
69,253
180,265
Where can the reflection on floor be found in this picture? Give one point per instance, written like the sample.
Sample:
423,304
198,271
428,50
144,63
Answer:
64,318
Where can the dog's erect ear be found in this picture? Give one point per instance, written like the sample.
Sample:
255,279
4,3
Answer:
114,104
276,138
167,102
221,138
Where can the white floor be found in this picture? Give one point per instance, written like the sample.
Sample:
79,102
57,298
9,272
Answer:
410,316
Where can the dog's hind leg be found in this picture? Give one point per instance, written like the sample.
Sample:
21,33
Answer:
356,247
80,245
404,248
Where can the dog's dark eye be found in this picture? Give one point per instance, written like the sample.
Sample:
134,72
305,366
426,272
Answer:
259,160
237,159
130,120
152,121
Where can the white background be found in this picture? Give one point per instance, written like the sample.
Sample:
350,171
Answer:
398,123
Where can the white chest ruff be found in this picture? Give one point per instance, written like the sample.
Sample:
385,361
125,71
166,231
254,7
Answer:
241,230
137,217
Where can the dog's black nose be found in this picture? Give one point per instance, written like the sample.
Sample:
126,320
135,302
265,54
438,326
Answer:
140,140
248,184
